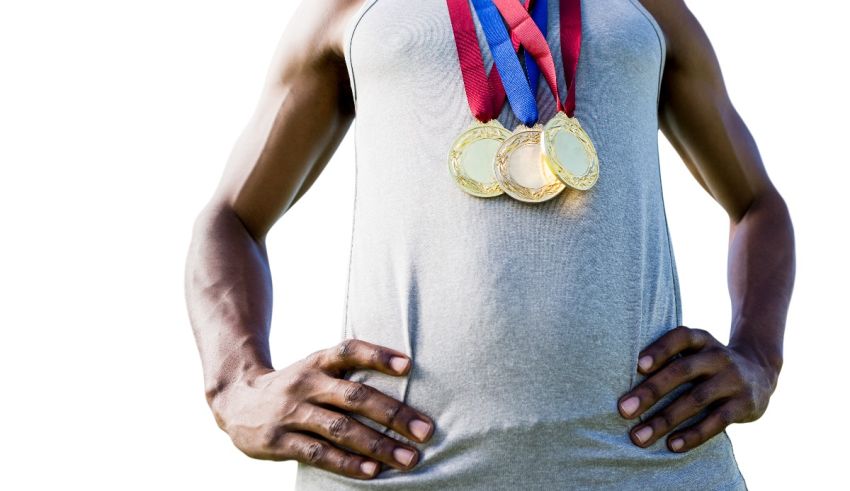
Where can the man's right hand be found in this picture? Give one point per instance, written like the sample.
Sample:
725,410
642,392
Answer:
266,413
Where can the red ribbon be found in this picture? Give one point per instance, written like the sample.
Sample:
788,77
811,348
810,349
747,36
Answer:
484,92
521,24
570,13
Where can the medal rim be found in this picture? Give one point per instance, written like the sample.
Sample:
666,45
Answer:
519,137
466,138
562,122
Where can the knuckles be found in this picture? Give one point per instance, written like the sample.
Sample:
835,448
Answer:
667,420
702,395
392,412
261,445
345,461
314,452
346,348
376,357
375,445
652,391
271,437
339,426
695,435
682,368
314,359
681,330
355,393
701,337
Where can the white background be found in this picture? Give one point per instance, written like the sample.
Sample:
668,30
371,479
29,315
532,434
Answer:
115,122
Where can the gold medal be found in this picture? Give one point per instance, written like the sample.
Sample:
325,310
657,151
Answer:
569,153
471,158
520,169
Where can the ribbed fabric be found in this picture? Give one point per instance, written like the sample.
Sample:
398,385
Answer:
524,321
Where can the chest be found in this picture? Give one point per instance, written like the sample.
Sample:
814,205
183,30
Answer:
414,37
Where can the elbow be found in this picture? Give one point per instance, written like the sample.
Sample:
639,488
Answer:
767,201
218,218
773,205
768,213
210,215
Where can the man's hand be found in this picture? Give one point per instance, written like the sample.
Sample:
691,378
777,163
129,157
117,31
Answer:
732,383
267,414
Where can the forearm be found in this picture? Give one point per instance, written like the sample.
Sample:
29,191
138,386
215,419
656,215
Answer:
229,299
761,270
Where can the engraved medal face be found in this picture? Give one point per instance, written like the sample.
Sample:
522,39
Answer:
569,153
471,158
520,169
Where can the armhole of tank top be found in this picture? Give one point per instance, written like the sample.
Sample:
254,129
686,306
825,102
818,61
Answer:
674,276
662,43
351,27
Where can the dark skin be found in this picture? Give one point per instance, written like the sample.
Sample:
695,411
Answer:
303,411
735,381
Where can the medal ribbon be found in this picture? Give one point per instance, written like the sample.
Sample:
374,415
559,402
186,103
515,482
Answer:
540,14
570,19
520,25
519,93
485,93
535,43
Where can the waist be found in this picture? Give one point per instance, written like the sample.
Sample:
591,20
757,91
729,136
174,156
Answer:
578,454
502,373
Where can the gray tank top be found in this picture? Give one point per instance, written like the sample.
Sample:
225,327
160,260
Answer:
523,321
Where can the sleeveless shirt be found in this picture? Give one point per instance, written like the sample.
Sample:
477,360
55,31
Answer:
523,321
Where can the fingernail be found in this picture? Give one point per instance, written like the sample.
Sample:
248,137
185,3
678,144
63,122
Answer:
645,362
368,467
403,455
643,434
677,444
630,405
398,363
419,428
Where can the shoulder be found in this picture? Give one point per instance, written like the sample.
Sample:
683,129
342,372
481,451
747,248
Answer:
686,39
312,40
330,18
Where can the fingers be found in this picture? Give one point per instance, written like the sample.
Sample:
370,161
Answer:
678,411
677,372
370,402
319,453
672,343
699,433
346,431
356,353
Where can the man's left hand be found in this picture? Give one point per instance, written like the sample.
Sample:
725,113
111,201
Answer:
732,382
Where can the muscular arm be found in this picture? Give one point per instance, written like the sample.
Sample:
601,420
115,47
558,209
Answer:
302,411
698,118
735,381
304,111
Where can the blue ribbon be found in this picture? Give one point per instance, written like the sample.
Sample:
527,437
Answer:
520,89
540,14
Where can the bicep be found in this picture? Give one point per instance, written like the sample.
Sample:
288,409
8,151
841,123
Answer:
698,118
303,113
